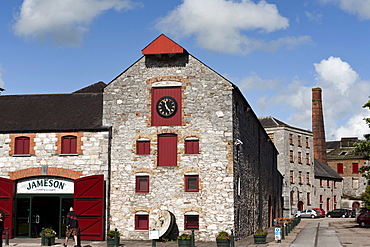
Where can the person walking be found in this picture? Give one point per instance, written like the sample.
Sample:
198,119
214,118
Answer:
2,220
71,225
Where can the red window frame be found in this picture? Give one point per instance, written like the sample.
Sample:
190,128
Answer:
291,157
292,197
191,183
328,183
339,168
191,222
321,185
141,222
192,146
167,150
142,147
308,198
69,145
22,145
321,198
142,184
354,167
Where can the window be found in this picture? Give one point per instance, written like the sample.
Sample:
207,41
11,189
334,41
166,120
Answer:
291,156
328,183
321,198
142,184
141,222
308,178
307,159
292,177
307,143
167,150
335,198
335,184
143,146
292,197
69,145
192,145
300,178
308,198
354,167
291,139
191,222
299,157
191,183
355,183
22,145
321,183
299,141
340,168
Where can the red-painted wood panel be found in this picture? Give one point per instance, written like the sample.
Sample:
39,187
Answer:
6,203
157,94
22,145
89,206
162,45
167,150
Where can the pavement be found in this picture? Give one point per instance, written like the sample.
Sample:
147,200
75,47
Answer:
248,241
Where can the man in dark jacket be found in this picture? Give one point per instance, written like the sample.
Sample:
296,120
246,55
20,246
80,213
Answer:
2,219
71,224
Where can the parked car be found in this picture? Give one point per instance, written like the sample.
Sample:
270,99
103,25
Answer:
344,213
363,219
352,213
321,211
309,213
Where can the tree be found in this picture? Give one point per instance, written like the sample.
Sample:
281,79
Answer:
363,146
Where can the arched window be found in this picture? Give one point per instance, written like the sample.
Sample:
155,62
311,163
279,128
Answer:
22,145
69,145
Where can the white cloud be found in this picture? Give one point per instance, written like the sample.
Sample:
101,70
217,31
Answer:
314,17
361,8
343,94
256,82
62,21
219,24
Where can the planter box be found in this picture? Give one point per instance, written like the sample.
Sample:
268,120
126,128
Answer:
110,242
223,242
259,239
184,242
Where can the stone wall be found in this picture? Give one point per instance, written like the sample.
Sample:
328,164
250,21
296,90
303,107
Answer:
92,161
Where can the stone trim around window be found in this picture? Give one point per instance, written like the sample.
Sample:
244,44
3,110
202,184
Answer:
58,143
12,143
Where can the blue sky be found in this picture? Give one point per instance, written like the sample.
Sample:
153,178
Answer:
274,51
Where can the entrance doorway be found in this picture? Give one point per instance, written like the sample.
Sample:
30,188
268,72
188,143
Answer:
33,212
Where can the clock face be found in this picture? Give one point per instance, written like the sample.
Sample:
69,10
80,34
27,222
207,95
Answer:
166,106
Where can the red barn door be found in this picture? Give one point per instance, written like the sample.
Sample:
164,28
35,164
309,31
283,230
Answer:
89,206
6,203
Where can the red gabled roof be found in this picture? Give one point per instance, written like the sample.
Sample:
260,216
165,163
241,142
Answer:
162,45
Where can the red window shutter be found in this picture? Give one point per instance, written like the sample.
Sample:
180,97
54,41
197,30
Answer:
22,145
141,222
191,183
191,146
142,147
355,168
174,92
191,222
340,168
69,145
167,150
142,184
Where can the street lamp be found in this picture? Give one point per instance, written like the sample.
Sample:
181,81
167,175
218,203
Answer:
291,202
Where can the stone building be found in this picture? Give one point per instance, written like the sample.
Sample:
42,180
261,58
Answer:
347,164
295,163
168,144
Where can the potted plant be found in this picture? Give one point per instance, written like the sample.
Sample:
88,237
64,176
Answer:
260,236
223,239
184,240
49,235
111,241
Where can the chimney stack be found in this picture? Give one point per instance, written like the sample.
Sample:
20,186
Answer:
318,130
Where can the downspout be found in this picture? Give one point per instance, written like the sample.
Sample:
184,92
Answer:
109,178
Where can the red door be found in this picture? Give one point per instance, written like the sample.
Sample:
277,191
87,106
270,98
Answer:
89,206
6,203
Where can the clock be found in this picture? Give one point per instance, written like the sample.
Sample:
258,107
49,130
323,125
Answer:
166,106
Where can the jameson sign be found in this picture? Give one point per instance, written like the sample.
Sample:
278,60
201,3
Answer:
45,186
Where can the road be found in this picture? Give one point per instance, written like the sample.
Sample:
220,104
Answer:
333,232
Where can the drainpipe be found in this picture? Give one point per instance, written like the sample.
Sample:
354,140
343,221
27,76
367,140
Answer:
109,178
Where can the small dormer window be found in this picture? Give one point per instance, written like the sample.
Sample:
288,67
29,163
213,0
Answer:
343,153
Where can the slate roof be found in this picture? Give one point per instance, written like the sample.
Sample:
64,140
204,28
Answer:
343,149
325,171
81,110
271,121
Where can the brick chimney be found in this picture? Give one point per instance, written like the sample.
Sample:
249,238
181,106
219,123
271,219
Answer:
318,130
